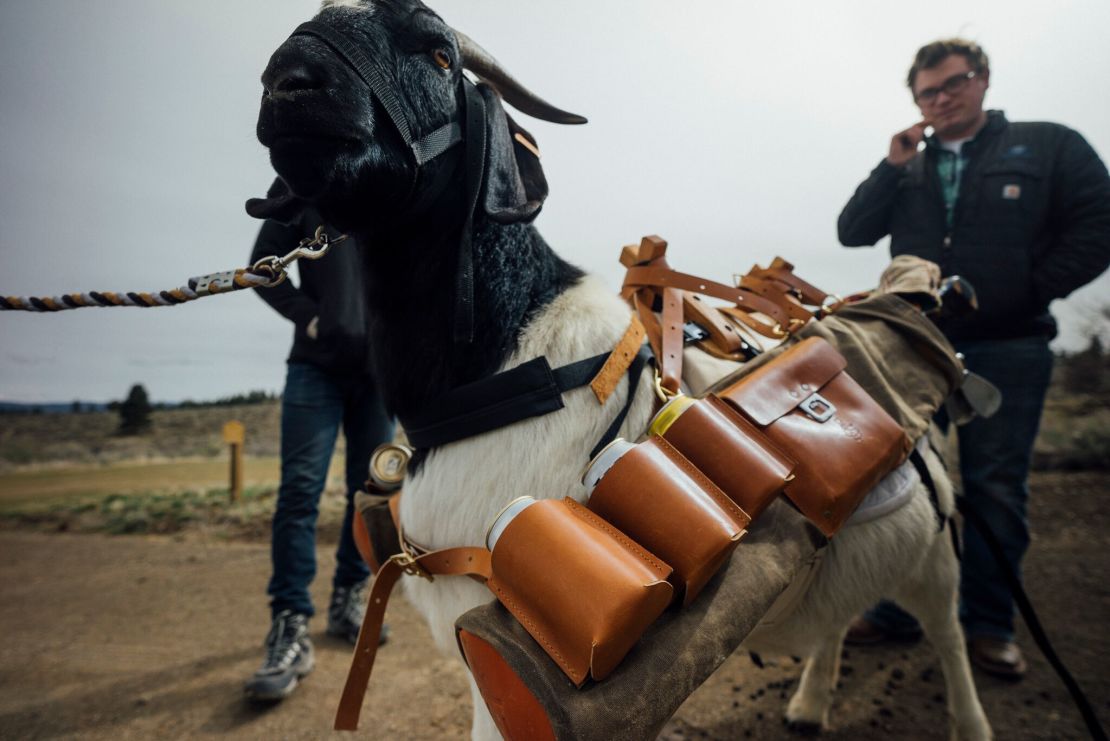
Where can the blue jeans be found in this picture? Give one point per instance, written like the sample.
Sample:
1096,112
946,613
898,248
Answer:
314,405
994,466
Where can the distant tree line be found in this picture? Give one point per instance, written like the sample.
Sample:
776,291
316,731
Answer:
250,397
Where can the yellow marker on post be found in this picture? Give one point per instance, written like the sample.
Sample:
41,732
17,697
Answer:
233,435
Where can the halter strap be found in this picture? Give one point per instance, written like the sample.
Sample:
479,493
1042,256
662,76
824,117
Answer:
423,149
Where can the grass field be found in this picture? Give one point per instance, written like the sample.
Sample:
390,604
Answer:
54,484
160,497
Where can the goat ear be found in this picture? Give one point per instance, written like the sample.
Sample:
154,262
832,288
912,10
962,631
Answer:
515,186
279,205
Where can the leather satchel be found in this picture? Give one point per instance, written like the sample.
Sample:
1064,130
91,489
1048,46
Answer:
842,440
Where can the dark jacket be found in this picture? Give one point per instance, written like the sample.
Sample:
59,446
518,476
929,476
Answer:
332,288
1031,222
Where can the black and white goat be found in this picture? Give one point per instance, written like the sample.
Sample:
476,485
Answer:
404,195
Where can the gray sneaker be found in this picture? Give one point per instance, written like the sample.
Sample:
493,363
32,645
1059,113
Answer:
346,610
289,656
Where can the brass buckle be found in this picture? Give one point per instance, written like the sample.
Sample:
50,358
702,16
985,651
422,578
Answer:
663,394
409,565
830,307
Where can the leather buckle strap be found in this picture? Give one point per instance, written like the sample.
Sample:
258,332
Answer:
658,277
463,561
782,272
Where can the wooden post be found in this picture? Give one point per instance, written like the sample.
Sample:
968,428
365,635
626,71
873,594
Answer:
233,436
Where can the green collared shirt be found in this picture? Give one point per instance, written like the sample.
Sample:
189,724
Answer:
950,169
951,166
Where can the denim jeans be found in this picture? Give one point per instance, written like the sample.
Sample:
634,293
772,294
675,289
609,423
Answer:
994,466
314,406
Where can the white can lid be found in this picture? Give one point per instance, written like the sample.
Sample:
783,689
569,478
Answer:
506,516
603,461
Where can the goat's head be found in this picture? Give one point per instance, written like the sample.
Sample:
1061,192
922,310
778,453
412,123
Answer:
355,102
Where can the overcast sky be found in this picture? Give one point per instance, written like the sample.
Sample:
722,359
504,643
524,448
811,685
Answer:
735,130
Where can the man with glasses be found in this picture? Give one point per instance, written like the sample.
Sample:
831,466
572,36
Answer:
1022,211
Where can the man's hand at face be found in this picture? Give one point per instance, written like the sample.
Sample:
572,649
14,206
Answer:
903,145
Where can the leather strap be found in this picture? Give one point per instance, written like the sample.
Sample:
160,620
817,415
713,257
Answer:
774,331
672,341
663,277
721,332
783,272
605,382
464,561
779,294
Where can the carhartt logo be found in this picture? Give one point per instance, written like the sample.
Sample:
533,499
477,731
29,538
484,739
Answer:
1011,192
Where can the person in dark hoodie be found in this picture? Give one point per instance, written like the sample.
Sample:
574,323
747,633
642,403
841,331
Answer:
328,385
1022,211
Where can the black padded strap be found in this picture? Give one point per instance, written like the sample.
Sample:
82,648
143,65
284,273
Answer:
927,479
529,390
475,171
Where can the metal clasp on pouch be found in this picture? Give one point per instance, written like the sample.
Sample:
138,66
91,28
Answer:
818,407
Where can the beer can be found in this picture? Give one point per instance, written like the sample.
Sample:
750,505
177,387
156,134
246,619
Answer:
388,464
504,517
603,461
671,411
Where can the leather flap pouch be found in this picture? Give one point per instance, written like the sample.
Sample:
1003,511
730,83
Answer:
663,502
581,588
780,386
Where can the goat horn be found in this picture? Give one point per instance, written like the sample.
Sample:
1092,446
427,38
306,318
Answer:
481,62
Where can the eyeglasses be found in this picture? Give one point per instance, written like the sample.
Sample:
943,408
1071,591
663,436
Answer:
951,86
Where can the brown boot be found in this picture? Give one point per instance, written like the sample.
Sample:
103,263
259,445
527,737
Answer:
997,657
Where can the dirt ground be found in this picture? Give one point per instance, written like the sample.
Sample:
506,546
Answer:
151,637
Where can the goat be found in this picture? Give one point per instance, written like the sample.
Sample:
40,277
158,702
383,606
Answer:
341,148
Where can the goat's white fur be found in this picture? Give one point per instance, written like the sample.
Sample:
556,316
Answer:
462,486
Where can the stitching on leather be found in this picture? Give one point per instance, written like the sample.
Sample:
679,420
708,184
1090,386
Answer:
695,473
515,608
763,440
617,535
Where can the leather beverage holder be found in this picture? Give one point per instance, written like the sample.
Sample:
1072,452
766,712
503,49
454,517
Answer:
732,453
842,440
374,529
664,503
580,587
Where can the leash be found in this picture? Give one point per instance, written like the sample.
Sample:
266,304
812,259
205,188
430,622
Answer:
979,522
266,273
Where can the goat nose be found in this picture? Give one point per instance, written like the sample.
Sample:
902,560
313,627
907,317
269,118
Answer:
295,77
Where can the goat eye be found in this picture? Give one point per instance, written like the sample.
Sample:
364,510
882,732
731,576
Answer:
442,58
